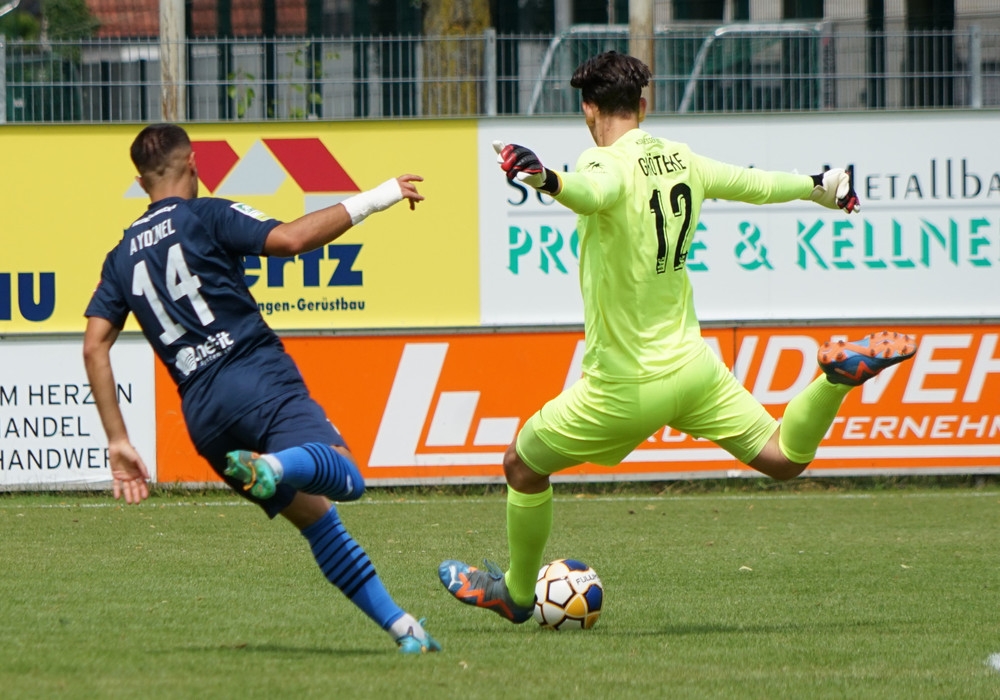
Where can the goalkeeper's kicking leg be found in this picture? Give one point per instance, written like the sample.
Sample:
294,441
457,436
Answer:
810,414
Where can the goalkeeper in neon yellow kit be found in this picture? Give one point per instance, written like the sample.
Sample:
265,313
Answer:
646,365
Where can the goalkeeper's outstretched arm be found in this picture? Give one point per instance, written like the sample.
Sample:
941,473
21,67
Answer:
582,193
832,188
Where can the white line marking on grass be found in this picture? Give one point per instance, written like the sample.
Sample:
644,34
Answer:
403,501
112,504
688,497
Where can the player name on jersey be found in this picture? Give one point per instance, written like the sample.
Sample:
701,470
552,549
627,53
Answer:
151,236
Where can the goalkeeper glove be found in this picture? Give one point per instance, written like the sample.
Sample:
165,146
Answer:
522,164
834,189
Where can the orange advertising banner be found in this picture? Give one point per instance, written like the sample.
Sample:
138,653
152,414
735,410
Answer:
422,409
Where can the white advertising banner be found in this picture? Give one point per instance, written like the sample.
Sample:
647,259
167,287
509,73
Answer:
50,432
926,243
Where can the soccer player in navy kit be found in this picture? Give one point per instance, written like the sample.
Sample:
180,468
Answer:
645,364
179,269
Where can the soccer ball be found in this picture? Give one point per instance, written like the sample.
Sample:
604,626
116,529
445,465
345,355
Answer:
568,596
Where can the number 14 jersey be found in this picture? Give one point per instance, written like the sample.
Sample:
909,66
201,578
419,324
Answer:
179,269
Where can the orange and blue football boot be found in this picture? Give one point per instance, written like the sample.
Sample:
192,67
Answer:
484,589
855,362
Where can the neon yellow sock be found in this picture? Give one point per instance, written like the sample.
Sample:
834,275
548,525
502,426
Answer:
807,418
529,522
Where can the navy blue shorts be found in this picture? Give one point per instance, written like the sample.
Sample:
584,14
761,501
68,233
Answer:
288,421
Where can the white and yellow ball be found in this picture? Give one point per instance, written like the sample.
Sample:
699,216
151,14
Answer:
568,595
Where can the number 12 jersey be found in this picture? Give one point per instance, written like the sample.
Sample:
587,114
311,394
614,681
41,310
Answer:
638,202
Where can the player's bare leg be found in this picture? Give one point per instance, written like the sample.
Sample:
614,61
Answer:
772,461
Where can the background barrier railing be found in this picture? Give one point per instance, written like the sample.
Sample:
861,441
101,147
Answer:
779,67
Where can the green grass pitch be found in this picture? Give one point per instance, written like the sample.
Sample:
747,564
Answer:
753,593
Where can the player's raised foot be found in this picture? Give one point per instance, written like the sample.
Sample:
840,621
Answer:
484,589
254,471
855,362
410,644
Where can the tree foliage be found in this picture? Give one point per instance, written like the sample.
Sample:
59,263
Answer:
62,20
20,25
69,19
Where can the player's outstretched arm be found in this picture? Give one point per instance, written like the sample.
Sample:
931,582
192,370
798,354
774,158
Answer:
522,164
128,472
834,189
321,227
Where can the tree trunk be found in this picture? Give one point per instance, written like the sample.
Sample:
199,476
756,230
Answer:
453,55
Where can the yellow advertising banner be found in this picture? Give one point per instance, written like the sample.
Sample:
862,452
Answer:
69,191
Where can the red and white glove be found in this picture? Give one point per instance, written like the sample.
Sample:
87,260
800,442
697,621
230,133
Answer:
834,189
522,164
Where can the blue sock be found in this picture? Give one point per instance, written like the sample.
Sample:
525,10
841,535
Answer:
319,469
346,565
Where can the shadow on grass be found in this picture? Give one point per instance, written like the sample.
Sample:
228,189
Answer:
689,630
708,629
290,651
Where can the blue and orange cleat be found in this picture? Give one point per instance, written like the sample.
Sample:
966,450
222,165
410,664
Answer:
855,362
484,589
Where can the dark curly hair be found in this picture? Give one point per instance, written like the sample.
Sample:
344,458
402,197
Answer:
612,81
153,147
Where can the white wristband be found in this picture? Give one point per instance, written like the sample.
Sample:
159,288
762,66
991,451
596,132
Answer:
364,204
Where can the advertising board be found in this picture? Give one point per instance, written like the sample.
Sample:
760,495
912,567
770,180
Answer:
440,402
926,243
50,432
75,191
442,408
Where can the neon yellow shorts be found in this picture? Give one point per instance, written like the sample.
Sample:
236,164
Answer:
601,422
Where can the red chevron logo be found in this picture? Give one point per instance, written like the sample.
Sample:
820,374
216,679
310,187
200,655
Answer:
307,160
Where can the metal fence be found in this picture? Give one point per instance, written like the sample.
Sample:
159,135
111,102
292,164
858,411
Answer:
734,68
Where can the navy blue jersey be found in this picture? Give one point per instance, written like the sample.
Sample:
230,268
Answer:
179,269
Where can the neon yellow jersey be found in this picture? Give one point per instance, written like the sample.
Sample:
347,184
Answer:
638,202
